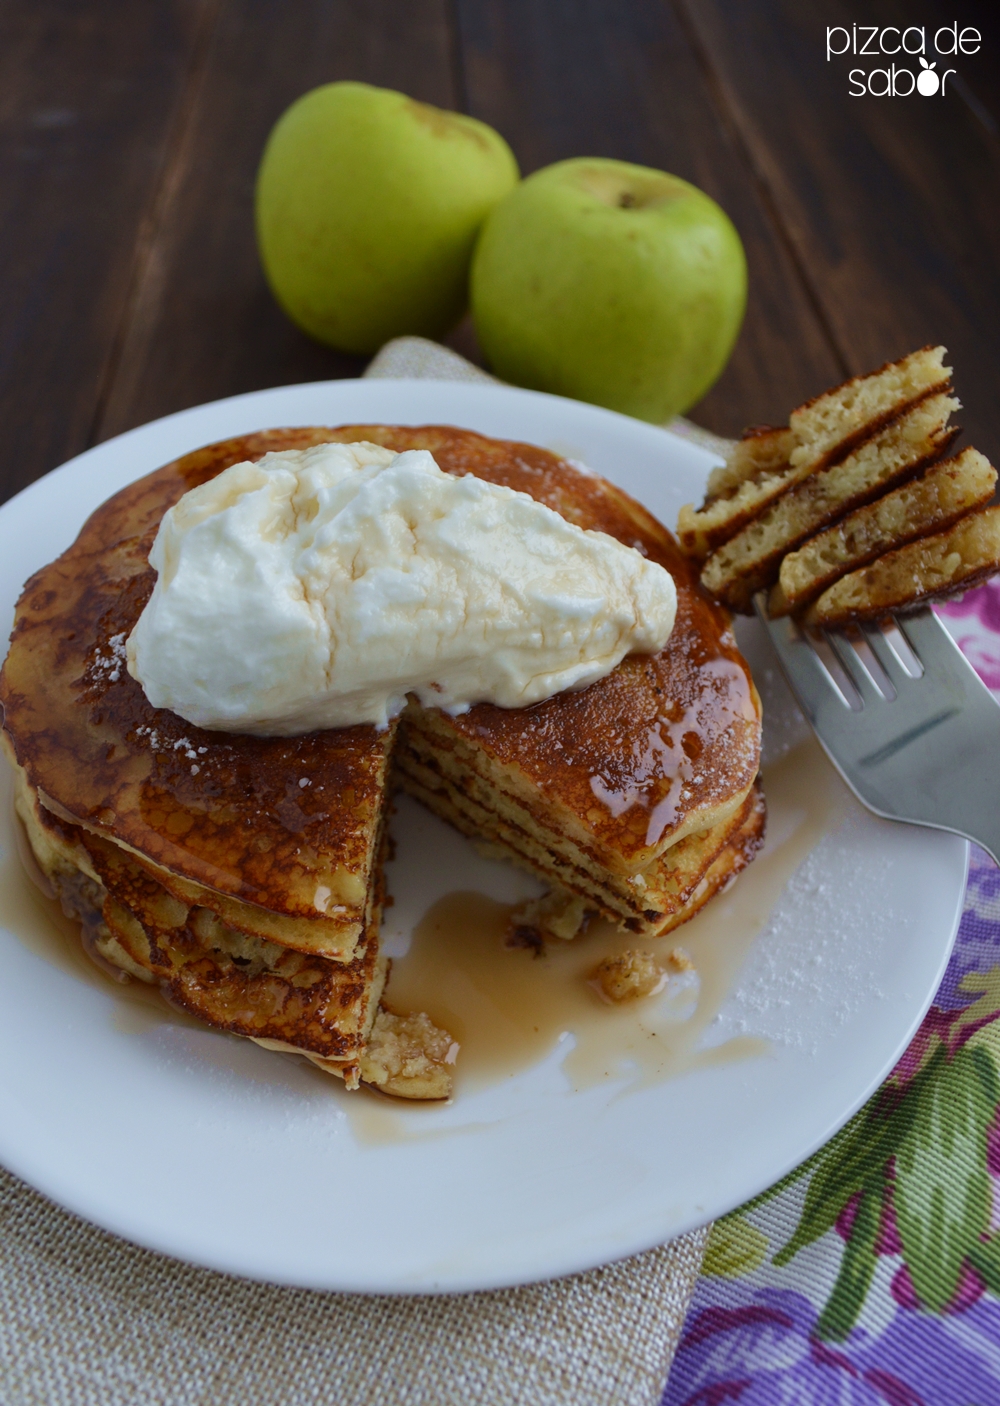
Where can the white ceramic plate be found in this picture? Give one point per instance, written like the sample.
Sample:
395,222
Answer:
210,1149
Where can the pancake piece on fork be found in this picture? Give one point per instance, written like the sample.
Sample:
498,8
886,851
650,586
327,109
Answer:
930,568
243,875
879,523
946,492
768,461
752,558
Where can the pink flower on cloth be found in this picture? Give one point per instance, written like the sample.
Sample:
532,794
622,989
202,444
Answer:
974,622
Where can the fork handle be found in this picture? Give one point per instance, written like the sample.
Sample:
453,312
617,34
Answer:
966,816
952,781
973,818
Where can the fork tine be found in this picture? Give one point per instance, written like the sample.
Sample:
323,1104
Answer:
857,669
811,681
930,641
887,657
931,758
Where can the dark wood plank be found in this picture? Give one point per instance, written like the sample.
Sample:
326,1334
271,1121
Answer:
893,204
89,95
598,77
204,324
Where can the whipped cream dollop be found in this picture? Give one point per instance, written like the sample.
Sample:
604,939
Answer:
316,588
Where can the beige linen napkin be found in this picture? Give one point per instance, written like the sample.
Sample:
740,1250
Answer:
87,1319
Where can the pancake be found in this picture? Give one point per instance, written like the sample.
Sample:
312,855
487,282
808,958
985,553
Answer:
768,461
479,806
866,518
931,568
945,493
752,558
243,874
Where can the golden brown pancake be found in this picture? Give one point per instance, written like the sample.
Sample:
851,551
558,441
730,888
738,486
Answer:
866,519
476,802
768,461
254,901
892,453
232,979
931,568
945,493
221,811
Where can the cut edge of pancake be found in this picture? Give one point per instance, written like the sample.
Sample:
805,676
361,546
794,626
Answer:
751,560
430,737
768,461
481,806
335,939
724,865
931,568
946,492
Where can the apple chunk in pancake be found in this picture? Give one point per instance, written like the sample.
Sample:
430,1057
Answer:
236,982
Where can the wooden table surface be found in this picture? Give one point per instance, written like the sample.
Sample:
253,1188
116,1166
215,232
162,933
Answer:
130,132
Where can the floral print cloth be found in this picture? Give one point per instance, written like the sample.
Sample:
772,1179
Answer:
871,1276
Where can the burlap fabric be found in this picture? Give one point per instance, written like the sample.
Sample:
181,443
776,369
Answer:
89,1320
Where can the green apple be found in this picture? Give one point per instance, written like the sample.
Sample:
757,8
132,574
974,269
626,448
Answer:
368,207
611,283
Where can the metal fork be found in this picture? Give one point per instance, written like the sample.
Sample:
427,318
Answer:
903,716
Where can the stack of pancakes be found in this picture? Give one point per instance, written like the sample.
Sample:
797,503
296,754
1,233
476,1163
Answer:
850,511
243,875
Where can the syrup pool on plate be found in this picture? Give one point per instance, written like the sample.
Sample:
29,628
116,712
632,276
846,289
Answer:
508,1007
